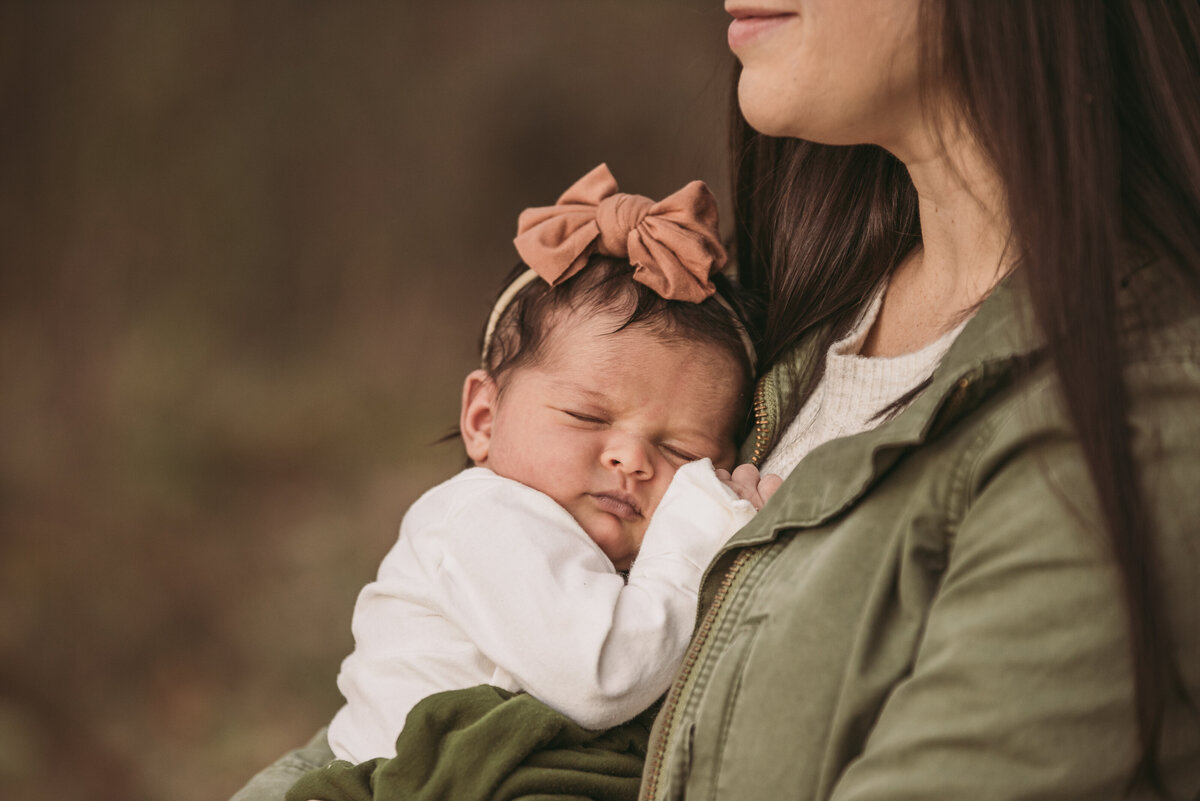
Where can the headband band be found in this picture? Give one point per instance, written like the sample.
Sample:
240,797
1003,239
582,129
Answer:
502,303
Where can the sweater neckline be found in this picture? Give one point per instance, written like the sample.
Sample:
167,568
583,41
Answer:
855,390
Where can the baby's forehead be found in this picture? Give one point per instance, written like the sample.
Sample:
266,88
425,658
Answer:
589,362
589,335
643,368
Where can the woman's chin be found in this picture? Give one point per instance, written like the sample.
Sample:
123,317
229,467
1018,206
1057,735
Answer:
776,111
762,108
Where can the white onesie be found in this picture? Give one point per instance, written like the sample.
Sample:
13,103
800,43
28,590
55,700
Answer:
491,582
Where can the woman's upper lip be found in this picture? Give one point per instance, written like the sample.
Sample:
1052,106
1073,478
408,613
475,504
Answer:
748,12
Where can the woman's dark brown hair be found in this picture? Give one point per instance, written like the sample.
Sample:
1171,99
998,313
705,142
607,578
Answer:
1090,113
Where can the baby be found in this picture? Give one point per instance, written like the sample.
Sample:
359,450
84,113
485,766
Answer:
565,561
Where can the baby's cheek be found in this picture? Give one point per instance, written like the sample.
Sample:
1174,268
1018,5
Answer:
727,458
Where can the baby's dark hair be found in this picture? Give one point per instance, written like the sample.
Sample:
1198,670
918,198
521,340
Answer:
523,330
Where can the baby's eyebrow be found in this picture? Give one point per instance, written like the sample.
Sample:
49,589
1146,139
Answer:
587,393
592,395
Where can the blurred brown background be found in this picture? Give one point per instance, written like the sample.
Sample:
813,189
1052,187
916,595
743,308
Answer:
247,248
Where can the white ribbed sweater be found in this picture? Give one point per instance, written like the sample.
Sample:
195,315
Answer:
853,391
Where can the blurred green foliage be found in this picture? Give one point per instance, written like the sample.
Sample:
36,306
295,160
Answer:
247,247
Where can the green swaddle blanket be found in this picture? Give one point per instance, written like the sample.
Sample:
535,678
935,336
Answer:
488,744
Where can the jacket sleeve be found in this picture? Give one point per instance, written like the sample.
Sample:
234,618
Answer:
1022,683
532,592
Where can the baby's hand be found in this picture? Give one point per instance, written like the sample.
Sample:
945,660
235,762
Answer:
749,484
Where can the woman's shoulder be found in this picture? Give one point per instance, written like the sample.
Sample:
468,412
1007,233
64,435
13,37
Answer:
1158,329
1159,312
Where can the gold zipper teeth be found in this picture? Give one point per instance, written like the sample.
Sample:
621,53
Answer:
689,661
761,435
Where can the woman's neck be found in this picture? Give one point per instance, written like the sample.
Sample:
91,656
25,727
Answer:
965,245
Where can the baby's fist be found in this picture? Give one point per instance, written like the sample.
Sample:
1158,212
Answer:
749,484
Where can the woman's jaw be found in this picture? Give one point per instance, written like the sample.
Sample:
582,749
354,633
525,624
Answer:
839,72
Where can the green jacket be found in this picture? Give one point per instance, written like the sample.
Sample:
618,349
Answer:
929,610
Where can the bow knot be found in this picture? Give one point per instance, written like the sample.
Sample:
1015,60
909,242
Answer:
616,216
672,243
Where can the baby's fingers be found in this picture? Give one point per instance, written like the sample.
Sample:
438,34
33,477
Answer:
725,478
744,481
767,486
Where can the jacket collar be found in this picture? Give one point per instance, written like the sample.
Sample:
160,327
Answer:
998,344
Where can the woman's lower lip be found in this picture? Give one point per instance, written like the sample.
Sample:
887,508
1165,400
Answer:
744,30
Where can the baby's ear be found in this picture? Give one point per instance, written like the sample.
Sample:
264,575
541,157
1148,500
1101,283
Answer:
478,414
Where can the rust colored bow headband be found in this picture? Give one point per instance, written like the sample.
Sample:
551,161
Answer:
673,243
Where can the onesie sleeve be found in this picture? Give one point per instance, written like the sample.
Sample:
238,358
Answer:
541,600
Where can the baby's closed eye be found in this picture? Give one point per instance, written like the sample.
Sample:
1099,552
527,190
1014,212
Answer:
677,454
584,417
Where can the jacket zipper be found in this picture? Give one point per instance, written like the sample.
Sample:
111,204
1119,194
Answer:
762,422
667,714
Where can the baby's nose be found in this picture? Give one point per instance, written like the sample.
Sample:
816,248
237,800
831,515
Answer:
630,455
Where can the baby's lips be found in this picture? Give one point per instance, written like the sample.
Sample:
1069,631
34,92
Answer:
621,504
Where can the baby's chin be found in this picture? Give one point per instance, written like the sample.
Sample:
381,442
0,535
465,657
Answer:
618,542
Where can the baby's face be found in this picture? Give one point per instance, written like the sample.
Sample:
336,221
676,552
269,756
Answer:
603,423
